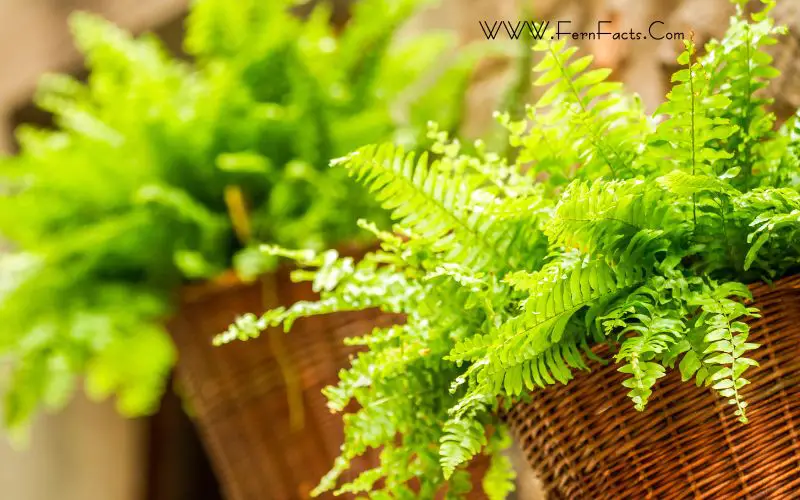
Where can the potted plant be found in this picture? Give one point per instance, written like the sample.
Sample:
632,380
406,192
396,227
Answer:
610,261
161,175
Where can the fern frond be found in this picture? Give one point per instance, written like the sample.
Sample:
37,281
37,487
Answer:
552,299
650,328
740,68
462,440
686,185
615,219
693,124
602,125
725,341
778,215
555,364
435,204
343,286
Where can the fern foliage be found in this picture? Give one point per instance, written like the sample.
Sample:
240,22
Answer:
602,226
159,171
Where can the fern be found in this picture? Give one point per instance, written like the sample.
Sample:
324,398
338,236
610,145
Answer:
462,440
740,67
725,342
622,220
425,199
647,332
593,227
776,226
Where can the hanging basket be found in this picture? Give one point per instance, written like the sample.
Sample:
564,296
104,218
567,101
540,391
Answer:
587,442
258,404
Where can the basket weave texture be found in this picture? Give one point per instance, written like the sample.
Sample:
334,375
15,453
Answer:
238,392
587,442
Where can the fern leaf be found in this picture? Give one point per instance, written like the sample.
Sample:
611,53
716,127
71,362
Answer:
462,440
602,125
739,68
434,204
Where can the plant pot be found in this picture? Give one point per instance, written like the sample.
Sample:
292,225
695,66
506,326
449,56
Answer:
258,404
587,442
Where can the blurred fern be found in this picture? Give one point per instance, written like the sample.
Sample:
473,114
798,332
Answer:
161,171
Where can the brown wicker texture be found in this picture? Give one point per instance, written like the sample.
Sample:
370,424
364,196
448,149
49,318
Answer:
587,442
240,393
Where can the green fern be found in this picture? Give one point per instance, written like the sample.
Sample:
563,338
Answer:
593,227
739,68
435,202
597,117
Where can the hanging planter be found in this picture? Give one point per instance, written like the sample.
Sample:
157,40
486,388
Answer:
259,406
583,443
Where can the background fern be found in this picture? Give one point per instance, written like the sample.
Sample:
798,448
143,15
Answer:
161,171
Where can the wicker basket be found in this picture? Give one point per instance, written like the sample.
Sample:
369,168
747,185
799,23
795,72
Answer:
258,404
587,442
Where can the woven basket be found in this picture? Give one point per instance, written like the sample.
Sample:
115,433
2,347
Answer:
587,442
258,404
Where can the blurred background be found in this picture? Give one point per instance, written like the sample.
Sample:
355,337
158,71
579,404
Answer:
88,452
